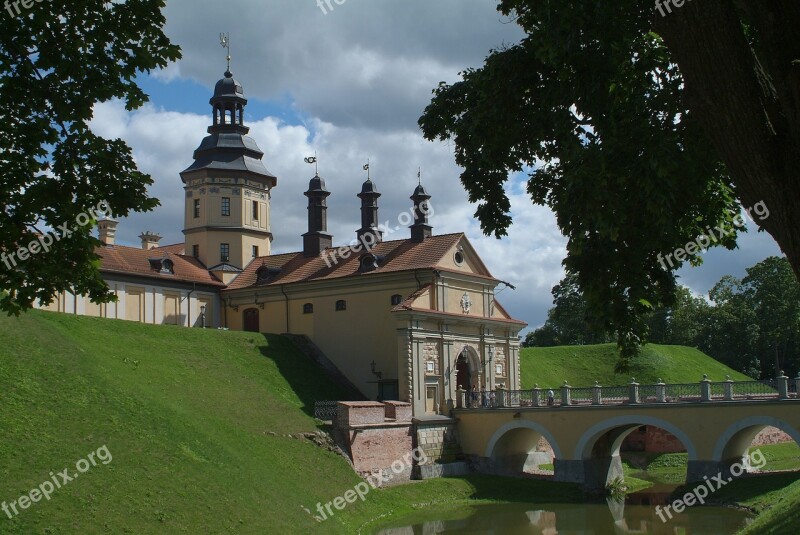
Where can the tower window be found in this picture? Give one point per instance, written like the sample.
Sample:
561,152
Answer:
224,252
255,251
226,206
308,308
397,299
196,208
341,305
196,251
255,210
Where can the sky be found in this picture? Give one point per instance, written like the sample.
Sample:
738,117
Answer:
349,83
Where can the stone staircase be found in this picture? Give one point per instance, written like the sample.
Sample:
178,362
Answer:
310,349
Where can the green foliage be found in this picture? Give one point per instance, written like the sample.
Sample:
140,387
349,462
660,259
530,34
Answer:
57,60
581,366
589,104
568,322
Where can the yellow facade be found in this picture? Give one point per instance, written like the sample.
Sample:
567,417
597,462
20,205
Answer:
227,210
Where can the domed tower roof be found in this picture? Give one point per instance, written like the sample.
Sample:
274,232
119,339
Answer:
316,186
228,148
227,88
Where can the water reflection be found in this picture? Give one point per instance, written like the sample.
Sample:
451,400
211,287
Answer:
636,516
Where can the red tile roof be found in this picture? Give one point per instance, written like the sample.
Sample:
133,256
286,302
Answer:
136,262
399,255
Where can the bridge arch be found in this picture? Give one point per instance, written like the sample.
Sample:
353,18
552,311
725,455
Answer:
512,443
733,444
620,427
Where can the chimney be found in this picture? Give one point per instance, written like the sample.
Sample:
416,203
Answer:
149,240
317,238
369,215
107,231
421,229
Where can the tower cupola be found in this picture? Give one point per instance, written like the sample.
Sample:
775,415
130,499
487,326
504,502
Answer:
421,229
369,214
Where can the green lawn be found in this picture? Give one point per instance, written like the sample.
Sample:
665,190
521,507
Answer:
197,423
203,427
775,497
549,367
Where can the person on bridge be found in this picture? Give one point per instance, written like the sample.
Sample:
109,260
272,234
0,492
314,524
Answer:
551,398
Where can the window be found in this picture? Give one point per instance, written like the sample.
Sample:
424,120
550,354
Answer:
341,305
397,299
196,208
167,267
224,252
459,257
255,251
308,308
196,251
226,206
255,210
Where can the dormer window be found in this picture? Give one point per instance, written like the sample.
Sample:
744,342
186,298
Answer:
370,262
266,274
167,266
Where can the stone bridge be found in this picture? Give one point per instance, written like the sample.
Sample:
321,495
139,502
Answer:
716,422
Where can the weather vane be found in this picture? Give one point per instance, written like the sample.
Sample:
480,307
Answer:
225,41
313,159
419,176
366,168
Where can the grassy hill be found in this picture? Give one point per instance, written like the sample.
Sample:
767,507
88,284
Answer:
197,424
583,365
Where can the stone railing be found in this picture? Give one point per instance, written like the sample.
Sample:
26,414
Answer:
705,391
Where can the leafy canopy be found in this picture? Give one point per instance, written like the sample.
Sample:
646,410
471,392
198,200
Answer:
57,60
589,105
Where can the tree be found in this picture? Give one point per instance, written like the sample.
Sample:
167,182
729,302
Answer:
57,60
682,322
772,293
642,132
567,322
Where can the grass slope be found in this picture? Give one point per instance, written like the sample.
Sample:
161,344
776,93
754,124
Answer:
196,422
583,365
775,497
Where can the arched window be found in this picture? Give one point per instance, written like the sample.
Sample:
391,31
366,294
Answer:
341,304
308,308
397,299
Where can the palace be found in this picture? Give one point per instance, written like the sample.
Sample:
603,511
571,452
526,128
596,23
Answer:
411,319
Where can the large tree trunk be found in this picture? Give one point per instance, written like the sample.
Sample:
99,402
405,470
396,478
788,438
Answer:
748,101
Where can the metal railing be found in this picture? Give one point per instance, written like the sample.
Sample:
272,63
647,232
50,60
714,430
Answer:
325,410
633,393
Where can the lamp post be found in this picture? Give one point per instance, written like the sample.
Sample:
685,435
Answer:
203,316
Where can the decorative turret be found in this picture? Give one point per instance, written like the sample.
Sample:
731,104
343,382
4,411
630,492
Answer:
421,229
228,189
369,214
317,238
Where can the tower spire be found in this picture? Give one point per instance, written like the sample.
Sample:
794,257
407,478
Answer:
225,41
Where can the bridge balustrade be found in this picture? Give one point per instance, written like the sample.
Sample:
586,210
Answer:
702,392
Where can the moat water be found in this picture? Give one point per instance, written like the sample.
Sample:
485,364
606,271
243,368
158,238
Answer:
637,514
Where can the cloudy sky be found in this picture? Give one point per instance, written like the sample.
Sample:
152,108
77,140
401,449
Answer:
349,83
